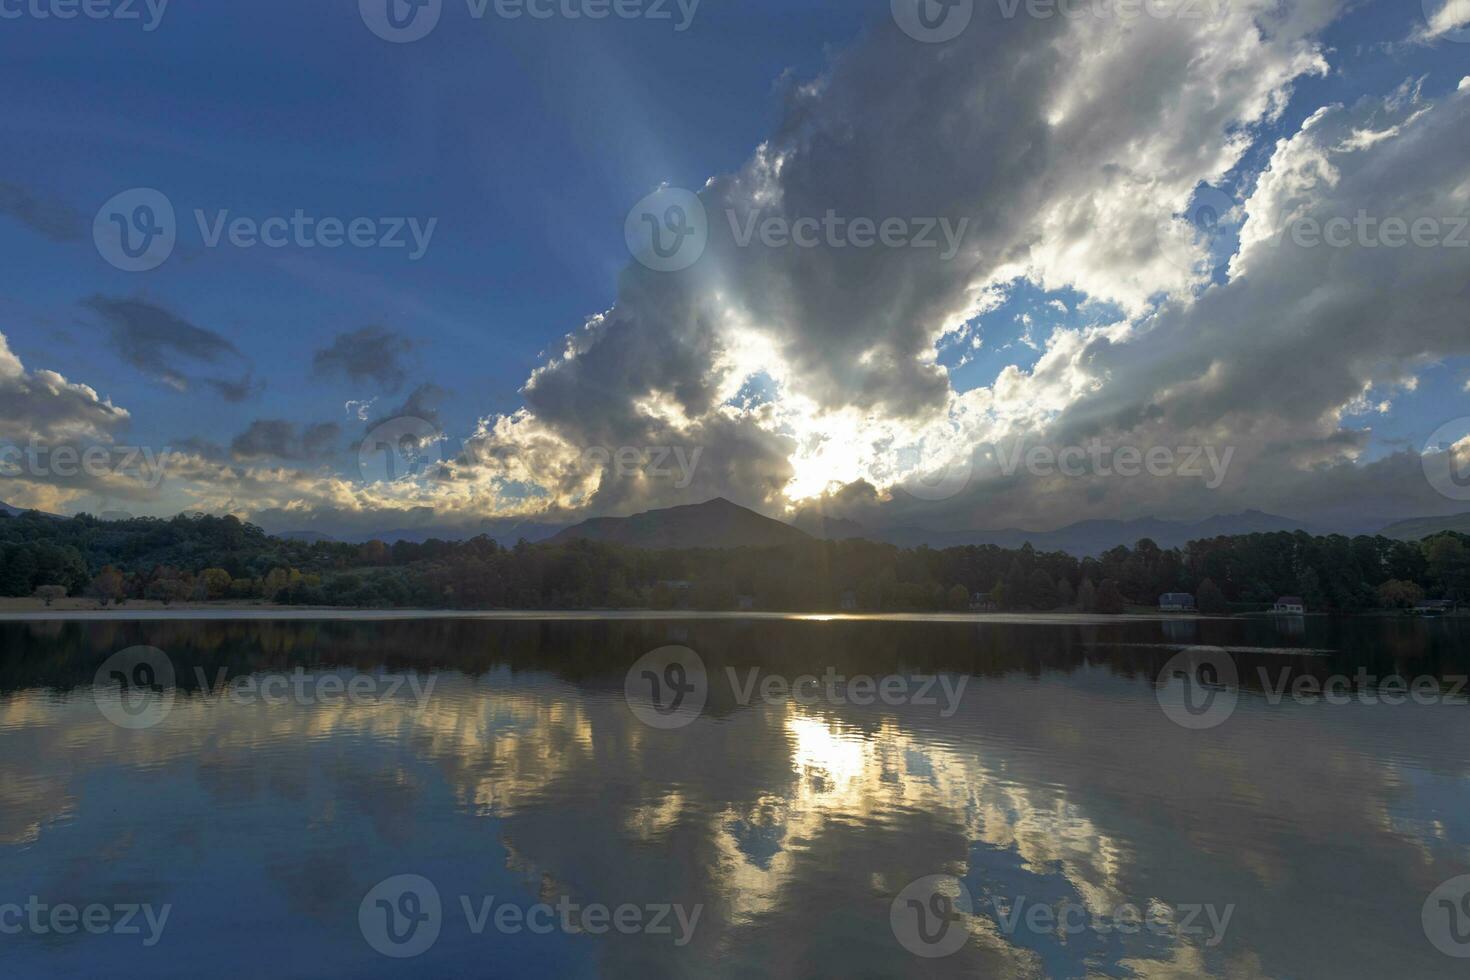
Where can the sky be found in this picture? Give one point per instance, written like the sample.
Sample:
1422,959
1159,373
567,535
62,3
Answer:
461,265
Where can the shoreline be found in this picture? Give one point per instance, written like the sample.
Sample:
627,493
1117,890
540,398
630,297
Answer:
336,613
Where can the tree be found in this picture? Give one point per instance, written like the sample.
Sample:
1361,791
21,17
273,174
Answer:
1398,594
107,586
1109,600
216,582
959,598
1210,599
50,593
1066,595
1087,596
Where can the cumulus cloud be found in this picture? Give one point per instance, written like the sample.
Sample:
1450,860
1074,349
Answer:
1064,147
44,405
370,354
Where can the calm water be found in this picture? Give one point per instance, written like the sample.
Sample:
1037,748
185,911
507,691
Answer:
269,798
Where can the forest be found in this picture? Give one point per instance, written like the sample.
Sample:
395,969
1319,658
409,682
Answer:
203,558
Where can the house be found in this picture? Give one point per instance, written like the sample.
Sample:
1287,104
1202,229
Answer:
1290,605
981,602
1434,607
849,601
745,602
677,585
1176,602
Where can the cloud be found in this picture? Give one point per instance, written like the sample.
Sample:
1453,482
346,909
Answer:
46,217
157,341
45,406
370,354
1062,146
276,438
1444,18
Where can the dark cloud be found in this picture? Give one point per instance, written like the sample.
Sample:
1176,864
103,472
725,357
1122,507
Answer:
236,391
370,354
46,217
158,341
279,439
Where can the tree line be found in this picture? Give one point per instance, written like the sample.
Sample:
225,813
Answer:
206,558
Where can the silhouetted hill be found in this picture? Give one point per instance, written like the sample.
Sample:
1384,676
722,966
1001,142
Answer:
1418,528
716,523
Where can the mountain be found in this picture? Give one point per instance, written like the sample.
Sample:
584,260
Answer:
1083,539
310,537
17,511
1417,528
716,523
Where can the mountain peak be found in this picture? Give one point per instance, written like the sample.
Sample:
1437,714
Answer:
716,523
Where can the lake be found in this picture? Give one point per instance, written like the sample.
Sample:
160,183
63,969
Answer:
735,797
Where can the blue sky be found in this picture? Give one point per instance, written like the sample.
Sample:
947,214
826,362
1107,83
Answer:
526,142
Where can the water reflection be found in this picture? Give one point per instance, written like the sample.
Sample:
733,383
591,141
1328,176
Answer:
524,775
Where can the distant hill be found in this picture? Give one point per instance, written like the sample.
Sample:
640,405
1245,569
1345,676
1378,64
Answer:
310,537
716,523
17,511
1417,528
1083,539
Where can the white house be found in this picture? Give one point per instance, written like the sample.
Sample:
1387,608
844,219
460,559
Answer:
1176,602
1289,604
